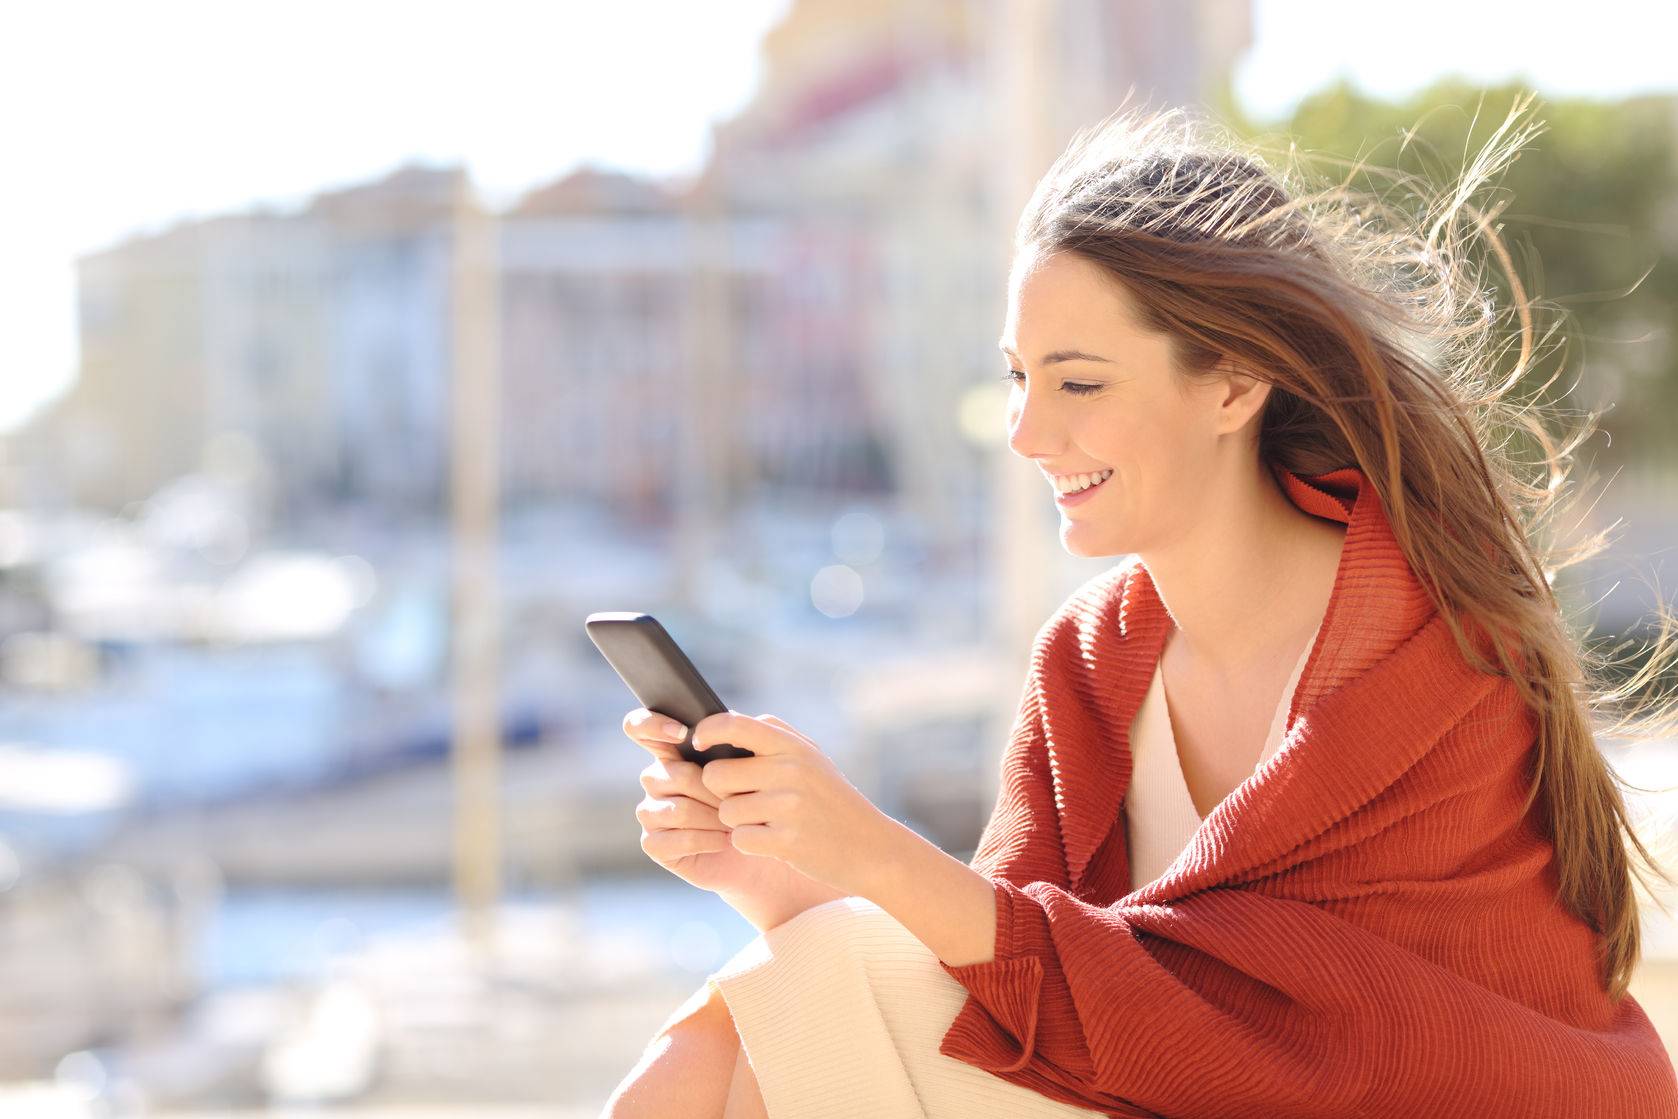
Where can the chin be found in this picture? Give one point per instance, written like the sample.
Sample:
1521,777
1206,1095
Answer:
1091,545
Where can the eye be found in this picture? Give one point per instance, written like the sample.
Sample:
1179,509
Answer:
1074,389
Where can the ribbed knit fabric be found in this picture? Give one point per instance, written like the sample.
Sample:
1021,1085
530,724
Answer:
840,1011
1367,926
1159,810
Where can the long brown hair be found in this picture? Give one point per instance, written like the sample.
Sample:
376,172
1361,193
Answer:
1365,312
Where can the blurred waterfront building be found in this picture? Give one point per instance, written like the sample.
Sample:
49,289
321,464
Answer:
895,144
311,347
813,316
392,251
808,300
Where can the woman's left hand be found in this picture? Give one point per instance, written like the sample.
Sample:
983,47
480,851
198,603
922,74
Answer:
791,802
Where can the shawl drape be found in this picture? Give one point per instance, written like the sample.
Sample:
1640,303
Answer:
1367,926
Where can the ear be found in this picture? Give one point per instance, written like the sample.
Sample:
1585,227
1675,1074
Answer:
1241,396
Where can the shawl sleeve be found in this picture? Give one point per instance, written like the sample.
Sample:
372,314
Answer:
1231,1001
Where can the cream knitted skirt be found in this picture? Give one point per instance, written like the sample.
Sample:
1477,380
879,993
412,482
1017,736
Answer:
841,1011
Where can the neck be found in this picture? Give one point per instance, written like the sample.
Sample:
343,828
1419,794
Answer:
1249,580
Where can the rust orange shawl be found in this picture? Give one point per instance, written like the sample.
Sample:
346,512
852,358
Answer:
1366,926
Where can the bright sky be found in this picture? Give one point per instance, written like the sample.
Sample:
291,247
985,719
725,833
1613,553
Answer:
126,122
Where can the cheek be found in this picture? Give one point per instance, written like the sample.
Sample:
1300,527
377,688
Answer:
1157,461
1138,446
1165,434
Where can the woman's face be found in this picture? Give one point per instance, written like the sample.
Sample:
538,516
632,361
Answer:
1120,408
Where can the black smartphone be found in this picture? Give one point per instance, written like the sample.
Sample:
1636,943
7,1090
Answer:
660,675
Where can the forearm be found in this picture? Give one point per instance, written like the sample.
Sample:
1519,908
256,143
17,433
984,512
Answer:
949,906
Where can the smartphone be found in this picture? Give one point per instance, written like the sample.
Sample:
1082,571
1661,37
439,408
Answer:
660,675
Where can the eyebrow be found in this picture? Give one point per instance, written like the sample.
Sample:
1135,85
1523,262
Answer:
1057,355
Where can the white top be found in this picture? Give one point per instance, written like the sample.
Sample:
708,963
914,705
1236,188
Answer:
1160,813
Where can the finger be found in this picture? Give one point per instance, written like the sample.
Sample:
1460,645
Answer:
667,846
745,808
654,744
742,730
672,776
654,726
688,779
658,776
646,720
670,813
782,724
733,776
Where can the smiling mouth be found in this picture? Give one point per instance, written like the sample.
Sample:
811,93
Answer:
1105,477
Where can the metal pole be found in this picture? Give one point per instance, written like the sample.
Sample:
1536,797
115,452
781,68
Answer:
707,470
474,497
1026,68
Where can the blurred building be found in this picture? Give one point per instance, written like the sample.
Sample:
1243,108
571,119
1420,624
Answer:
389,336
811,301
144,402
896,144
316,342
805,315
630,316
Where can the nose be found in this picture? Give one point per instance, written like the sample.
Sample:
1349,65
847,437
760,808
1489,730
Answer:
1030,431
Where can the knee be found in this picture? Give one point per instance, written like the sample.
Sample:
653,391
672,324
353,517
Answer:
704,1006
683,1071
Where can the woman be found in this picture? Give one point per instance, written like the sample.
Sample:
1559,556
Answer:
1301,814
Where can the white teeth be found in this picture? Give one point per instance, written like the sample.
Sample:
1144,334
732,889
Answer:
1072,483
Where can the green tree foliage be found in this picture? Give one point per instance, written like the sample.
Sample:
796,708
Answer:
1591,222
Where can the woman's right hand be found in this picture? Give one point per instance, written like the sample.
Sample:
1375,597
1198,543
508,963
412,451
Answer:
681,831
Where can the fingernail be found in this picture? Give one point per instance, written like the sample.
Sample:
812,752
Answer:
674,729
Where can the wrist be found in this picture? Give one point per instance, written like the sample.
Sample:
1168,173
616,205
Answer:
892,861
764,913
818,893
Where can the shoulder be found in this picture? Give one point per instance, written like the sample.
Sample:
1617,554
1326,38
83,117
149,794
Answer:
1091,611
